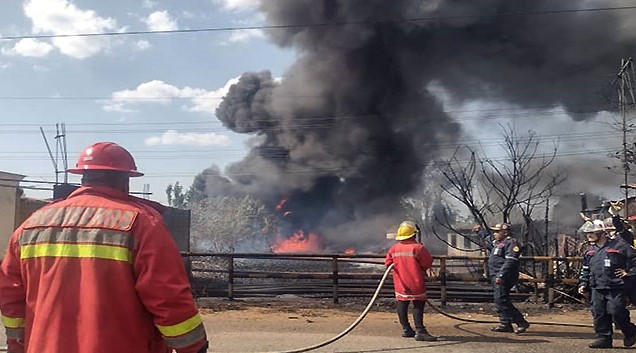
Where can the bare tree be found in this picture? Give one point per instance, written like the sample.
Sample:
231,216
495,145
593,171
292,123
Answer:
495,189
223,224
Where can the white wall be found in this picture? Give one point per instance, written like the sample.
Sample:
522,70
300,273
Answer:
8,207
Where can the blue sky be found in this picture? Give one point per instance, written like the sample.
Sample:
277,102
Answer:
153,94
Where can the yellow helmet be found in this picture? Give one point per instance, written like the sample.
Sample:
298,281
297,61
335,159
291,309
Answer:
406,230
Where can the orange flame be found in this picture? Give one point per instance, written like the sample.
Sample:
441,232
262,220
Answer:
299,242
350,251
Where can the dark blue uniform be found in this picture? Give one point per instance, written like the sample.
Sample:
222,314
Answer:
609,292
622,232
504,263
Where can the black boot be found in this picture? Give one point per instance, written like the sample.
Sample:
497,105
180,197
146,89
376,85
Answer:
601,343
522,328
503,328
408,332
423,335
629,340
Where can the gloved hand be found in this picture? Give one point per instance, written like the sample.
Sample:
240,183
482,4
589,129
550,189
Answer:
615,208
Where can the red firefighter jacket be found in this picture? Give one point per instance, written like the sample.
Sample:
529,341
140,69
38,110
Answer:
97,272
410,260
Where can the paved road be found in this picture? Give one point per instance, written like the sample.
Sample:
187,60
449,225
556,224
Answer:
244,327
272,330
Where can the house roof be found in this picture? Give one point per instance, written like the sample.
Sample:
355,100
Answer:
11,176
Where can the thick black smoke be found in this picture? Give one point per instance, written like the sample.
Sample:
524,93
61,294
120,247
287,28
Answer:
354,122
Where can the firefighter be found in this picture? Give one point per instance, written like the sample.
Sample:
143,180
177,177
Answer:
98,271
622,228
410,260
503,267
607,264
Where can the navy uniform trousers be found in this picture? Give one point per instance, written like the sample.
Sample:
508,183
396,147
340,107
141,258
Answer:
508,314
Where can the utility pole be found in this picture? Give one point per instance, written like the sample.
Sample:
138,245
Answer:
625,102
61,154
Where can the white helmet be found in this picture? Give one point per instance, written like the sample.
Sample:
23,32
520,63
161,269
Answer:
592,226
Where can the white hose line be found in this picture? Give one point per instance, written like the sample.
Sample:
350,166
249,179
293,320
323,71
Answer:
352,326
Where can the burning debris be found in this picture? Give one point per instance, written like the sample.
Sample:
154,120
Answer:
354,122
299,242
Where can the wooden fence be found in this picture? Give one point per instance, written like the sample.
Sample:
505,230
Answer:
446,278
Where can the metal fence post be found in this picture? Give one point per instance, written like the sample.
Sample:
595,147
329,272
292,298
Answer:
334,274
442,280
550,282
230,277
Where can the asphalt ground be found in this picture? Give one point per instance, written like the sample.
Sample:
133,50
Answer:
264,326
275,325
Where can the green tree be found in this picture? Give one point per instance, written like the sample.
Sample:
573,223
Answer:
175,195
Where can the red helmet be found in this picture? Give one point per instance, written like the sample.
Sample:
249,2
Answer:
106,156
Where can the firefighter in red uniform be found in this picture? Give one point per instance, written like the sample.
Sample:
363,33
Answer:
98,272
410,260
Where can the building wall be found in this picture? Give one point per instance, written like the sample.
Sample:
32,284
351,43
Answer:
8,207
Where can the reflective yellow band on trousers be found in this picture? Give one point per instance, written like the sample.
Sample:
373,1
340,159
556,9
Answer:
181,328
116,253
12,322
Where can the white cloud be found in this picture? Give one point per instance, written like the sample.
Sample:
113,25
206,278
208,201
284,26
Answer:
29,47
159,92
64,17
4,65
244,35
143,45
160,21
172,137
238,5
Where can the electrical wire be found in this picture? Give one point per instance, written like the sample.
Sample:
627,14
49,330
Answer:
320,24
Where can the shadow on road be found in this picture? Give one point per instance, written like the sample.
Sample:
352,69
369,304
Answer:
480,337
418,348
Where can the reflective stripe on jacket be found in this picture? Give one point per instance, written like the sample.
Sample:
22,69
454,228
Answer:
410,260
98,272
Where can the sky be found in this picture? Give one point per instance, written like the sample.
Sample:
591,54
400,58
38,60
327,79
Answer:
154,94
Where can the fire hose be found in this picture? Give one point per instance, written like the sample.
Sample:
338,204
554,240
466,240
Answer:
435,308
376,294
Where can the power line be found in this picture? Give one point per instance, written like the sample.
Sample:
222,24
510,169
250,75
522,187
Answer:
598,82
345,169
298,123
320,24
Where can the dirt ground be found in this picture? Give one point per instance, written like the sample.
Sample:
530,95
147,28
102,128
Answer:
266,325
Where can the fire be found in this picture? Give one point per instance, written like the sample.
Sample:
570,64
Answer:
299,242
350,251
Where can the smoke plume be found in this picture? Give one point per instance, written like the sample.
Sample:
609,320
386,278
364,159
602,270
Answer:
354,122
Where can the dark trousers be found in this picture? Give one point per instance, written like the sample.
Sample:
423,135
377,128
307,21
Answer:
630,283
418,314
508,314
609,305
